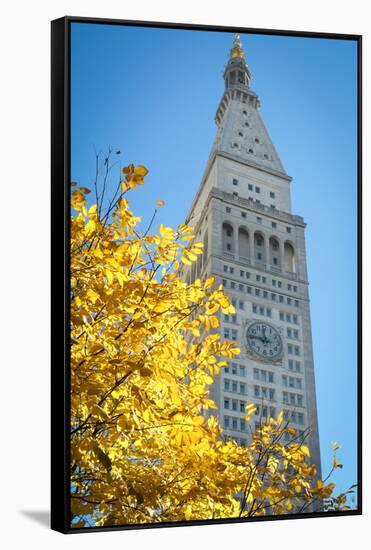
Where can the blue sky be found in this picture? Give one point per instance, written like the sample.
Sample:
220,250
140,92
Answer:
153,94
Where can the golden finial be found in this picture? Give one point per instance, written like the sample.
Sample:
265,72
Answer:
237,50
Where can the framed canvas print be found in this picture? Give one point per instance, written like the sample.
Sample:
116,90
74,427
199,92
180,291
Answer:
206,188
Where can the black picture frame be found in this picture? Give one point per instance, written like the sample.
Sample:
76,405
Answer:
60,262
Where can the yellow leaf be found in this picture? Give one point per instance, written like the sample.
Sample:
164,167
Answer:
100,413
159,202
141,171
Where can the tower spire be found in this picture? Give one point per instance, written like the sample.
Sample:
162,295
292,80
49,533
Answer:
237,73
237,50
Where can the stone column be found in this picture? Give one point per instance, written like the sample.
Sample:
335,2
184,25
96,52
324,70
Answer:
235,243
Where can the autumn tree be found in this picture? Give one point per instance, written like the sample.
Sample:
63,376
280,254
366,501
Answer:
146,443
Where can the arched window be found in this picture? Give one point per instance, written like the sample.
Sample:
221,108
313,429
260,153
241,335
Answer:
289,258
244,245
275,254
259,249
227,239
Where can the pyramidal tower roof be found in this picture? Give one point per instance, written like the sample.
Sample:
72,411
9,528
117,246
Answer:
241,131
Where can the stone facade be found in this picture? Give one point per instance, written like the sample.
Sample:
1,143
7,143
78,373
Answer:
255,247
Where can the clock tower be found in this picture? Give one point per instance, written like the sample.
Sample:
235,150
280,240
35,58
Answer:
255,247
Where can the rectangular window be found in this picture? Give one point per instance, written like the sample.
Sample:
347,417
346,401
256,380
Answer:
247,275
293,417
297,350
288,317
258,278
289,301
257,391
279,283
269,312
295,319
232,284
231,270
256,374
288,287
255,308
285,397
274,225
291,364
242,273
225,268
265,294
250,187
242,425
288,229
235,181
242,406
240,288
284,380
296,303
257,189
300,418
234,405
280,299
298,383
263,375
296,333
270,377
226,403
258,219
272,195
289,349
259,256
242,371
273,412
224,283
229,247
234,368
282,316
257,292
292,399
274,282
271,394
273,296
300,400
289,333
297,366
295,288
227,385
226,333
261,310
234,423
234,386
241,304
228,210
264,280
264,392
234,334
291,382
226,422
249,290
242,388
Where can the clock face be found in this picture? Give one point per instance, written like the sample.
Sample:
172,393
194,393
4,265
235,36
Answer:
264,340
